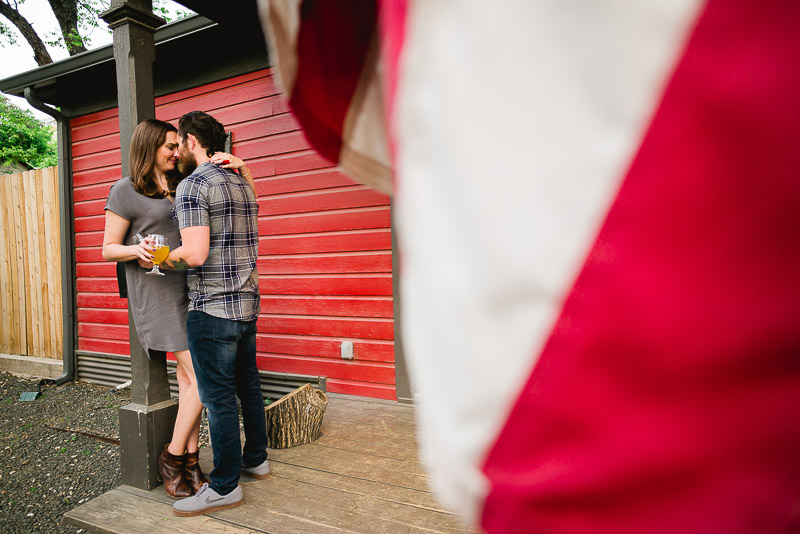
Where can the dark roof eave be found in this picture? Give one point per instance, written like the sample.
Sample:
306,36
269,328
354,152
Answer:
47,74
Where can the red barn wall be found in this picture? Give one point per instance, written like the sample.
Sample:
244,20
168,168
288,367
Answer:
324,262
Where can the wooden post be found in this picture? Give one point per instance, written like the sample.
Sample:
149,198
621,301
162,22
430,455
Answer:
134,24
404,389
146,423
296,418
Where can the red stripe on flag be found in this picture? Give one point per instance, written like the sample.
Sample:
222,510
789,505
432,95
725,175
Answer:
392,27
332,45
667,397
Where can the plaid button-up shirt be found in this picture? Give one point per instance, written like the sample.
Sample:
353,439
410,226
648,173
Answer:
226,285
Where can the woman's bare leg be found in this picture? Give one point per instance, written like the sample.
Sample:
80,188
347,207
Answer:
186,433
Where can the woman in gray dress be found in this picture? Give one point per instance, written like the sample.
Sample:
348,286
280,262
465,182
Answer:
142,204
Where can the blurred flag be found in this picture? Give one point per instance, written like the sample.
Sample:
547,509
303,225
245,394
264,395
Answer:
597,205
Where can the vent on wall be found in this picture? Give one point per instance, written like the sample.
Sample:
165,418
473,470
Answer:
113,369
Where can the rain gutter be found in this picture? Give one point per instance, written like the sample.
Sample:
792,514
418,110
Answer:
65,217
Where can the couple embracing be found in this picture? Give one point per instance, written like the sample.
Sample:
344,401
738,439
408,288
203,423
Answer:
211,329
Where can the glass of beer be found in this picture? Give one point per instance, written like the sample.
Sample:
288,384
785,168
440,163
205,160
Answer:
160,253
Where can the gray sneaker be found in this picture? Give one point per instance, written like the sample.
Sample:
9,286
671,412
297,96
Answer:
260,471
207,500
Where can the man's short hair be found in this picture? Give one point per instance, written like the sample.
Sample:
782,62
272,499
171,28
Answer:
209,131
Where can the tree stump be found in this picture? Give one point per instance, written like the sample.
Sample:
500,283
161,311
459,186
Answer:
296,418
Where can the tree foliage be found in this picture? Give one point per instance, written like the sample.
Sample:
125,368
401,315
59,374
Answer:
24,138
77,19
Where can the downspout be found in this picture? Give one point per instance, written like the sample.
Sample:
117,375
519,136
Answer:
66,220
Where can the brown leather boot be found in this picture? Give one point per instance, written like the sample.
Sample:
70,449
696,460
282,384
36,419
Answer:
191,470
170,470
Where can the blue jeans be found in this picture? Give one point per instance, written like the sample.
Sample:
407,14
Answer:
224,358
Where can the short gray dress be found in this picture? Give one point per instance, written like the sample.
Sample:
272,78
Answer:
159,304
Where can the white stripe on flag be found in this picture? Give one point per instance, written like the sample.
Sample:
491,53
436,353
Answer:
516,123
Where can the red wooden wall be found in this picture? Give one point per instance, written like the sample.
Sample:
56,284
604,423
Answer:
324,250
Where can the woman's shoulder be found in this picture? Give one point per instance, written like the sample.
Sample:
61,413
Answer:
122,186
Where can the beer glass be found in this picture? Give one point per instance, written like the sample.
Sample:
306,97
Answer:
160,253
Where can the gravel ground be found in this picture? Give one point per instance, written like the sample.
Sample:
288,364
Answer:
56,452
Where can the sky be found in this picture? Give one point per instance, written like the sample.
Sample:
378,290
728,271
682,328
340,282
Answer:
19,58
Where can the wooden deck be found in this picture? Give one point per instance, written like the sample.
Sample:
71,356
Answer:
362,475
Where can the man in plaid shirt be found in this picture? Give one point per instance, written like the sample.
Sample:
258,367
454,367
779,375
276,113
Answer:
217,213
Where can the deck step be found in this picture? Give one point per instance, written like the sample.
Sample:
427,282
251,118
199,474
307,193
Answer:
129,511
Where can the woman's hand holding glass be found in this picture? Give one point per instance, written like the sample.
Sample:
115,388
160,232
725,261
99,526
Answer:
144,251
151,251
160,252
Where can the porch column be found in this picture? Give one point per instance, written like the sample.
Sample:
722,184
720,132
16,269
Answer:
403,387
146,423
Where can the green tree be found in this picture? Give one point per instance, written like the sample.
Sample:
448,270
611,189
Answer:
24,138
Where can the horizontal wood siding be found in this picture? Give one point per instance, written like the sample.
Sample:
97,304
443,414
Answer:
324,261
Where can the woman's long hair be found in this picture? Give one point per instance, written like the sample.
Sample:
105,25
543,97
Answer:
147,138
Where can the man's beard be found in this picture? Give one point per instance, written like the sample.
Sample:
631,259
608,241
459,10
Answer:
187,164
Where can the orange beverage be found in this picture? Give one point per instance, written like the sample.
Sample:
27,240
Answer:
160,254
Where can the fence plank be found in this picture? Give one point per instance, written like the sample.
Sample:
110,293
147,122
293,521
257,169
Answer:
5,269
44,242
17,268
33,293
43,325
23,245
11,259
52,231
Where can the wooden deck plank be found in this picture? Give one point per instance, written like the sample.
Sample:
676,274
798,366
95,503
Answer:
346,510
382,422
241,517
422,498
399,494
368,447
377,468
356,410
367,433
122,512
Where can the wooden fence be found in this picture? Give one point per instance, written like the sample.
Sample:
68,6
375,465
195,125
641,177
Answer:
30,264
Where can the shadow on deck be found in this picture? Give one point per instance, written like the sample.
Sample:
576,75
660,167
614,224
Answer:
362,475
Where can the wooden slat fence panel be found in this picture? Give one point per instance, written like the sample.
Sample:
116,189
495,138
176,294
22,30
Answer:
30,264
